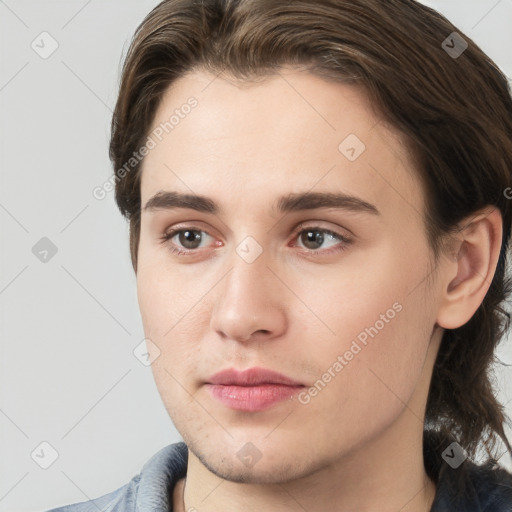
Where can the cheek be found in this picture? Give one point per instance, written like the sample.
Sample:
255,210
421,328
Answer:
364,293
380,321
394,348
361,387
167,295
173,311
379,355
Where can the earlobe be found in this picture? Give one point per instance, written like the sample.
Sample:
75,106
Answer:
467,276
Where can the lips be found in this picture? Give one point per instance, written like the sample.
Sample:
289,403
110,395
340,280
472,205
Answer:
252,390
251,377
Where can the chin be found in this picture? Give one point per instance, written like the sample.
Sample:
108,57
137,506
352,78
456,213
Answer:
270,465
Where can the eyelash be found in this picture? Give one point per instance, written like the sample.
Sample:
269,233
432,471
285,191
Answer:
186,252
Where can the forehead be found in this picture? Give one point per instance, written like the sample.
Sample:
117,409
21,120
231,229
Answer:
291,132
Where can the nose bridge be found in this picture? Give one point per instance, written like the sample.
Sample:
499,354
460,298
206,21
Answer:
248,300
249,274
248,280
248,260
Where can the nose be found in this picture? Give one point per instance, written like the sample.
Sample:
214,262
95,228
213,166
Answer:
250,302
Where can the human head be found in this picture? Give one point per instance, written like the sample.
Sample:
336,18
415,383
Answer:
454,116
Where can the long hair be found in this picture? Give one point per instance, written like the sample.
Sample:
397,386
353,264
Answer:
450,102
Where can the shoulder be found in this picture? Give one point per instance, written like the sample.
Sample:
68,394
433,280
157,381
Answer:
114,501
146,490
467,487
493,486
471,488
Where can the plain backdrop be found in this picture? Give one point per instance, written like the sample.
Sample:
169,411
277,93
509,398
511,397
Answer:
69,314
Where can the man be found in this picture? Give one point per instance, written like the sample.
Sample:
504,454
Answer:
319,229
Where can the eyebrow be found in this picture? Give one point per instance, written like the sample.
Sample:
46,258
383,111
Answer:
293,202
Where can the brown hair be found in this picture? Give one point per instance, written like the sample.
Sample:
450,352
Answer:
454,112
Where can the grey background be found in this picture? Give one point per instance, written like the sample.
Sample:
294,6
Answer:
69,325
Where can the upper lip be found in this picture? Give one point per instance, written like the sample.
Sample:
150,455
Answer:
251,377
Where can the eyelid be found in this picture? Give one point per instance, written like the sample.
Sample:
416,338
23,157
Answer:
176,228
310,224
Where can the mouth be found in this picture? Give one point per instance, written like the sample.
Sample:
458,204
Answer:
255,389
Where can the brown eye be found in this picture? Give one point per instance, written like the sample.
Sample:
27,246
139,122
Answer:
314,237
311,238
184,240
189,239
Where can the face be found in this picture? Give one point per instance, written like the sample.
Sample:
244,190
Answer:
268,272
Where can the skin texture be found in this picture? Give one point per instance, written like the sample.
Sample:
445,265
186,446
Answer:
357,444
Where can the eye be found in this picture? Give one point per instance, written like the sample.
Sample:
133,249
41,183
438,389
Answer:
187,240
314,237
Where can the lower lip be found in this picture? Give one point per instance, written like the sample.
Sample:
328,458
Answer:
252,398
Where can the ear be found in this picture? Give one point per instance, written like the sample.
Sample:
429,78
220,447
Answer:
468,273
